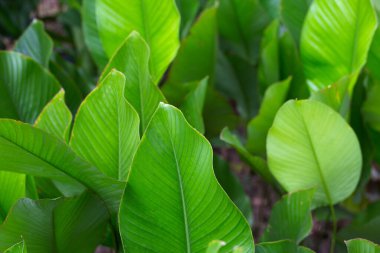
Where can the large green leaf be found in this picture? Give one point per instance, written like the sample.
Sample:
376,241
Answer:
12,187
60,225
56,118
36,43
310,145
132,59
258,127
29,150
335,40
291,218
108,144
362,246
293,13
172,199
158,22
25,87
257,163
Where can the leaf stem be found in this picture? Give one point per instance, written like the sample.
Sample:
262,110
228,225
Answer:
333,237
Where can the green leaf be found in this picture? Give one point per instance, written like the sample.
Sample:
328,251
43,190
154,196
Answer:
302,155
362,246
293,14
110,145
233,187
188,10
17,248
256,163
373,62
259,126
25,87
29,150
291,218
12,187
158,22
349,26
36,43
185,208
197,55
132,59
192,107
60,225
269,69
214,246
281,247
56,118
91,33
272,7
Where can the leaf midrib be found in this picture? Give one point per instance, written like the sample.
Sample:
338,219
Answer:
184,209
320,172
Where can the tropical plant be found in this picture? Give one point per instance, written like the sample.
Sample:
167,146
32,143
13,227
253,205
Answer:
130,124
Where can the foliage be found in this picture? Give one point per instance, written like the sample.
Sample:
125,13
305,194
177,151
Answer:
109,125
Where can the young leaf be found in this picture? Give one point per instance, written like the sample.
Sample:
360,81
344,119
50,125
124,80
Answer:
25,87
108,144
335,40
158,22
310,145
56,118
36,43
214,246
132,59
258,127
257,163
192,107
185,208
60,225
291,218
29,150
362,246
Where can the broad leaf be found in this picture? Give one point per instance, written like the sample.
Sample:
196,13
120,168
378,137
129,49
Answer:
188,10
362,246
186,208
291,218
60,225
36,43
158,22
256,163
310,145
335,40
132,59
29,150
108,144
258,127
56,118
25,87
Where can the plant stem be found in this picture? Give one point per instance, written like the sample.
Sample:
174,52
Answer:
333,237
